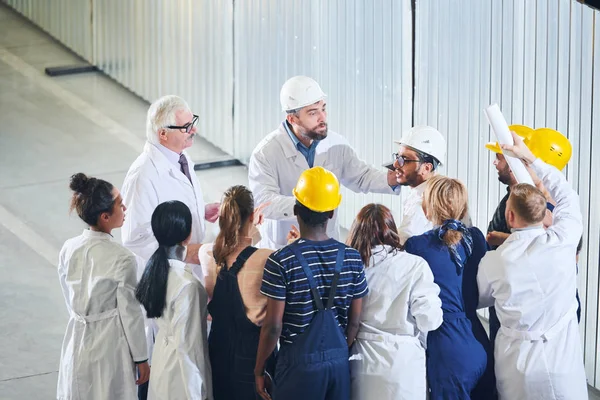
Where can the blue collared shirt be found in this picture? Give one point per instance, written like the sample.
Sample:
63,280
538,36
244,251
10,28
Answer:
307,152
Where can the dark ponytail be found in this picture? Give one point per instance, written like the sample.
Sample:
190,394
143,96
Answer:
171,225
91,198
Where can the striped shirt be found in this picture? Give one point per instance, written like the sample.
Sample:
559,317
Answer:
285,280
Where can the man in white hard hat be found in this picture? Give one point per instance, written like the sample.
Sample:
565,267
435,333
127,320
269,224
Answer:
303,141
421,152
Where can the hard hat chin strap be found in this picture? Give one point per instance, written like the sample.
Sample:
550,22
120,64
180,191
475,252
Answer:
426,158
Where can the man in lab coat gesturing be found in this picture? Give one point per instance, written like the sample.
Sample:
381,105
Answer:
161,173
530,279
303,141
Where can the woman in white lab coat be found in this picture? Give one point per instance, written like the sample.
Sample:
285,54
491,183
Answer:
105,336
177,300
388,360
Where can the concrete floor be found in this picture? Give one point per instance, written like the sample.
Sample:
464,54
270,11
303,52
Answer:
51,128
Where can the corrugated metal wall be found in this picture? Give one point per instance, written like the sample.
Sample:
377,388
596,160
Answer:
356,50
536,60
180,47
69,21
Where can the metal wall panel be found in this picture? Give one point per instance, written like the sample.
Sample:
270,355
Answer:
536,60
360,53
180,47
68,21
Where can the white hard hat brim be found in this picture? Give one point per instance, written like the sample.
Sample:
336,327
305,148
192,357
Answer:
298,107
399,142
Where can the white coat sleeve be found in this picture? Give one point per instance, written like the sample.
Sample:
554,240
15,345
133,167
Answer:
209,268
425,303
358,176
130,312
486,298
262,180
62,276
189,342
140,198
413,222
567,219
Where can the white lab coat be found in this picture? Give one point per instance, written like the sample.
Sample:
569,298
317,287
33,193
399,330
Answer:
274,169
151,180
105,333
180,362
530,279
388,360
414,222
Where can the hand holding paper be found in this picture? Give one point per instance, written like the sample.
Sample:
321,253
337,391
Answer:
504,136
519,149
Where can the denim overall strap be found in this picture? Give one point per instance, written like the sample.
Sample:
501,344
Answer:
339,263
309,277
241,259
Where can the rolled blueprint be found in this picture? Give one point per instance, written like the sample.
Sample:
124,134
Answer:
503,135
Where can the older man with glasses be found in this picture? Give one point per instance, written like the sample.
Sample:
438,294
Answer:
161,173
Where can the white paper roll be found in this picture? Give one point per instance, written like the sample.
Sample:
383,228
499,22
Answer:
500,128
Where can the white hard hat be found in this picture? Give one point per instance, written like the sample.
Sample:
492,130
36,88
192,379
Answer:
300,91
425,139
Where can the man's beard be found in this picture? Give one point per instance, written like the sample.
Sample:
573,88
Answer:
504,178
314,135
409,181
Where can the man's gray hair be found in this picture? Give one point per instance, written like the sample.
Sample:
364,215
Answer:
161,114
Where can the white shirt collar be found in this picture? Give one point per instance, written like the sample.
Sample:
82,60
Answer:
416,192
421,188
170,154
528,228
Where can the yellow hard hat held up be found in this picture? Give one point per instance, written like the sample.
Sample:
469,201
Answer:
318,190
549,145
521,130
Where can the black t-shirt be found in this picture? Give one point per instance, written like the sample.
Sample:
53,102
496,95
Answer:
498,222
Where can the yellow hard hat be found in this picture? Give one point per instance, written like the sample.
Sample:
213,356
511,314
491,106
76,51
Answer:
550,146
521,130
318,190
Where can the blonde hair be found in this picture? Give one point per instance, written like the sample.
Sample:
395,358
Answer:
162,113
528,202
237,206
446,199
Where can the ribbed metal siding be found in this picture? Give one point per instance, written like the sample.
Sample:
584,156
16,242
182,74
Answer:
182,47
360,53
536,60
68,21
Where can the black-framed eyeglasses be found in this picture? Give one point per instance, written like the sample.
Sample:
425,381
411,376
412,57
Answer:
187,127
403,160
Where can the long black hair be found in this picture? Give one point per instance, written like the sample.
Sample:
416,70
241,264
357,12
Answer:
171,225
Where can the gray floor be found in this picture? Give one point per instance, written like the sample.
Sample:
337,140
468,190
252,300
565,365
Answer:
51,128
